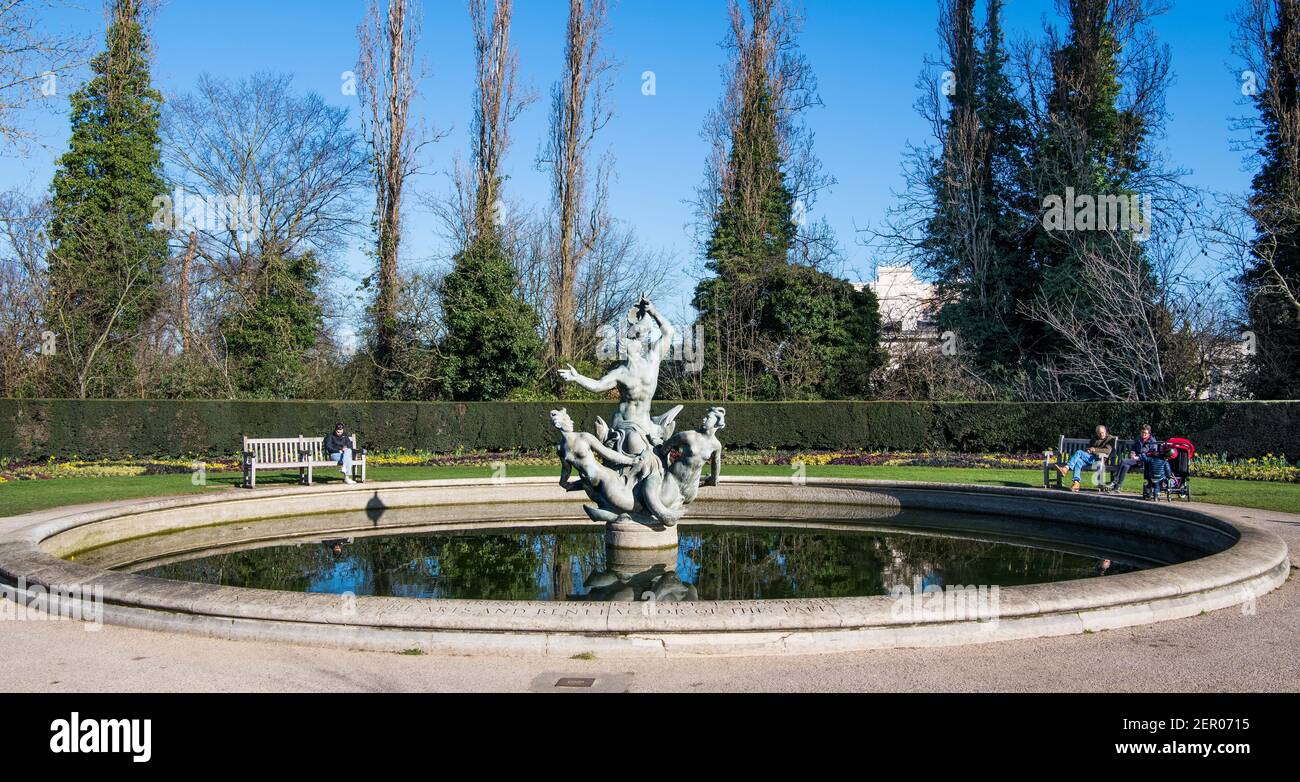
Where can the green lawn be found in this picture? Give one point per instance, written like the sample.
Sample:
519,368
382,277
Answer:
25,496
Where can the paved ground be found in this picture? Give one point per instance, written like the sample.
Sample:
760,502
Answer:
1232,650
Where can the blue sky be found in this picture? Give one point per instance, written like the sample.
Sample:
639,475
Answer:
866,54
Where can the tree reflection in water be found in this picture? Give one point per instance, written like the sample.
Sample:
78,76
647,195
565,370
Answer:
711,563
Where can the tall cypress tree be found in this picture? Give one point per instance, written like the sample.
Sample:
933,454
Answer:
975,243
1273,314
953,181
1091,145
1096,144
1008,204
106,261
753,231
754,225
773,328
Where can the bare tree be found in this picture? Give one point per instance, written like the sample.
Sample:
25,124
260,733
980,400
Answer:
260,169
1254,239
24,248
184,322
32,60
476,202
260,172
617,269
1210,346
616,272
498,103
921,371
1261,249
420,326
579,110
1127,339
388,79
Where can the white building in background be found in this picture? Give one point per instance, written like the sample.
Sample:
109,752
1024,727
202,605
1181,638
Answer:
907,307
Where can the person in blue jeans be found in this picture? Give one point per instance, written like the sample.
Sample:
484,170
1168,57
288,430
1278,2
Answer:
1146,453
1099,449
339,446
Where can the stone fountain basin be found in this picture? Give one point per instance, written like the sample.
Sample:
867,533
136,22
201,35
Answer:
44,552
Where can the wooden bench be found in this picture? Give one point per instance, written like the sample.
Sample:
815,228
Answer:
301,453
1065,448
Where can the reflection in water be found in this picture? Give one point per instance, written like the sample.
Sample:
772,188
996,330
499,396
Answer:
630,575
711,563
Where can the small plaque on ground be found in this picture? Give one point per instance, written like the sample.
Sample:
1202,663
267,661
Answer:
579,681
575,681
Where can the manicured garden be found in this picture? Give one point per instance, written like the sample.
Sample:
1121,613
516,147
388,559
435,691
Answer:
65,452
23,496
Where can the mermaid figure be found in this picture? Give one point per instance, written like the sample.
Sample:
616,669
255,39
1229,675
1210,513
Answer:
578,451
696,448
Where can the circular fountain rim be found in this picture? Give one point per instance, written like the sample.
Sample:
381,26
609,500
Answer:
1247,562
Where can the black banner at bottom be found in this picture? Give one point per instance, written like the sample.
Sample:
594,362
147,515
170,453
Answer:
136,732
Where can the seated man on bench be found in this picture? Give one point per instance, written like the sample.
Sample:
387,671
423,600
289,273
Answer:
339,447
1099,449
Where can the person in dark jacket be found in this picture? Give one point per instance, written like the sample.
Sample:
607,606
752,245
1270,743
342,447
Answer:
1146,452
339,446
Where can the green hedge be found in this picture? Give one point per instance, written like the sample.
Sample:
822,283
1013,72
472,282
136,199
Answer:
40,428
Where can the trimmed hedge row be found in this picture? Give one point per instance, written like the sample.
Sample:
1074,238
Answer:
40,428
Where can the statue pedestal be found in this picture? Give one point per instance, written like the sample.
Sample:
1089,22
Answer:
633,561
625,533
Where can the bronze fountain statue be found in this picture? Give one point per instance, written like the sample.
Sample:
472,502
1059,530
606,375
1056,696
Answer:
638,471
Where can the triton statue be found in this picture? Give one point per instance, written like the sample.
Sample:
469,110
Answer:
640,475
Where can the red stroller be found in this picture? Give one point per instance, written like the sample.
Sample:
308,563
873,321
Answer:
1179,452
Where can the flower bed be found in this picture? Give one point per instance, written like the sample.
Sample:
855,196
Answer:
403,458
888,459
1268,468
13,470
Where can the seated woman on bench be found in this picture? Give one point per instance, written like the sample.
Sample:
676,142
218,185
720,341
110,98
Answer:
1147,453
1099,448
339,447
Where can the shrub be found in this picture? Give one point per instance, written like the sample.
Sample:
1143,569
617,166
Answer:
98,429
